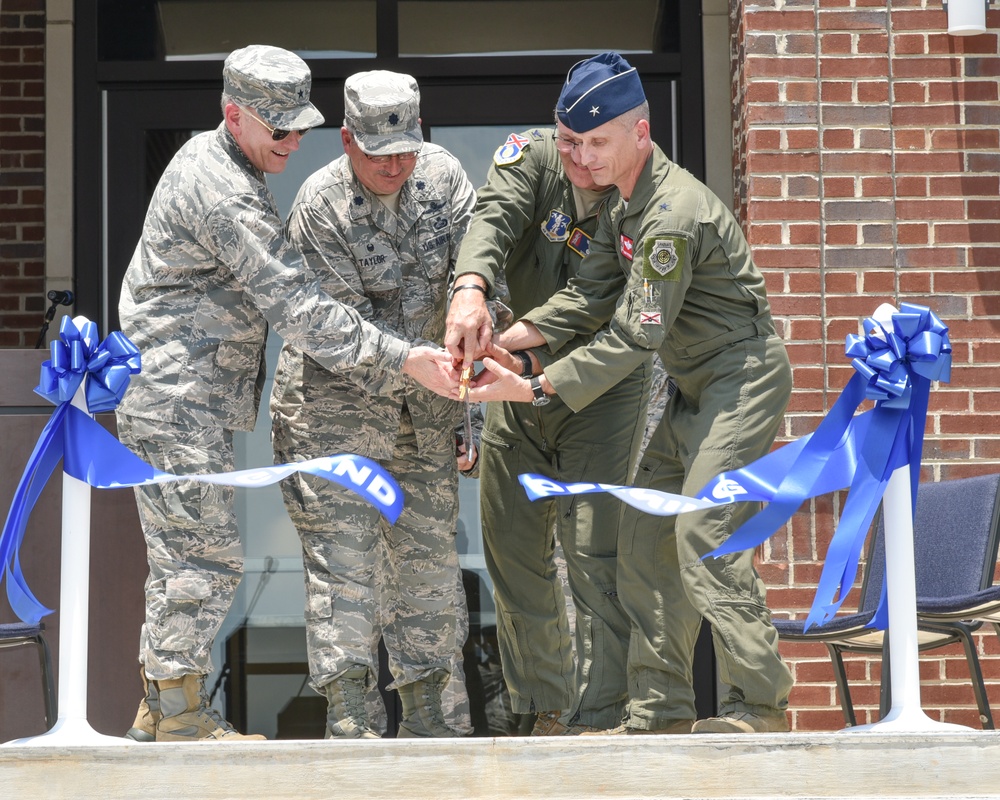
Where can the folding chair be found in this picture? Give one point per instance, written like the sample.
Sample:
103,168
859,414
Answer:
19,634
956,533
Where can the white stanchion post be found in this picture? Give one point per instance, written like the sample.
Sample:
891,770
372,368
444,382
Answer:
72,728
906,714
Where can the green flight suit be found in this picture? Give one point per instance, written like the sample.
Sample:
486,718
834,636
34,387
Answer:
673,273
525,225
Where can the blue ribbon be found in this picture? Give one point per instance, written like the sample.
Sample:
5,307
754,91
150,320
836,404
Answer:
92,455
895,362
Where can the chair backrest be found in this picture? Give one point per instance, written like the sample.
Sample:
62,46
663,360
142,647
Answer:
956,534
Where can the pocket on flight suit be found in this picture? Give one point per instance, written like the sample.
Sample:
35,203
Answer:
503,456
644,475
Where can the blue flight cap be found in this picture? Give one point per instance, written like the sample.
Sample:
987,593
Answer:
598,90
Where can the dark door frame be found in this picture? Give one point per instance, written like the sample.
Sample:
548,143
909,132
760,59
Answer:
116,102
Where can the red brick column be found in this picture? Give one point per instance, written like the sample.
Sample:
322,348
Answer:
868,171
22,171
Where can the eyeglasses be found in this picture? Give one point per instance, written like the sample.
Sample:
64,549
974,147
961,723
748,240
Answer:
409,155
276,133
564,145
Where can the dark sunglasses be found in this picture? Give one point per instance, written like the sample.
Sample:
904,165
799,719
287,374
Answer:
277,134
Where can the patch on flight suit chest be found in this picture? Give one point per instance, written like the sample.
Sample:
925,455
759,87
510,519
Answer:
556,227
579,242
625,246
662,255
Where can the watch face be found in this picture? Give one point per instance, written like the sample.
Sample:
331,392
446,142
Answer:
541,398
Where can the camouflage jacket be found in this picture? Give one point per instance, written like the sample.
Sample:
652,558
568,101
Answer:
210,273
396,272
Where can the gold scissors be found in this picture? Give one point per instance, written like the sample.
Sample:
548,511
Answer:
463,394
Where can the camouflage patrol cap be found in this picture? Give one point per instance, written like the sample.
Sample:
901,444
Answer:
273,82
382,111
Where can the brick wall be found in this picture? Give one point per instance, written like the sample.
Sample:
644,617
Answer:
868,167
22,171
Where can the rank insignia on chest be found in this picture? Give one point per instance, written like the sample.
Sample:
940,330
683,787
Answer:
626,246
650,317
510,152
556,227
662,257
579,242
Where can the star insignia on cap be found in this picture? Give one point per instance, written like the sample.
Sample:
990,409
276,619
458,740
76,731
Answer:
664,206
302,94
595,110
393,119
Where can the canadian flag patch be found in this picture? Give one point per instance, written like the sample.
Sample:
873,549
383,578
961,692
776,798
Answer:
626,246
650,318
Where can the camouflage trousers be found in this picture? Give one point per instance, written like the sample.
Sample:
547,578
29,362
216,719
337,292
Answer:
365,577
192,542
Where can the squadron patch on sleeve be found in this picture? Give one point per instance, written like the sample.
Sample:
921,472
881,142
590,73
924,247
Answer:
556,227
511,151
662,255
579,242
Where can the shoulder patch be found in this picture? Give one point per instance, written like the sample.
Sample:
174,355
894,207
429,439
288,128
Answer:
511,151
662,257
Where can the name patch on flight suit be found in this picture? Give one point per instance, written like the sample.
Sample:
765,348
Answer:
556,227
662,255
511,151
579,242
626,246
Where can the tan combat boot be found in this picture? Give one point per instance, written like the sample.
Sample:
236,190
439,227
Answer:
422,713
144,727
346,717
185,715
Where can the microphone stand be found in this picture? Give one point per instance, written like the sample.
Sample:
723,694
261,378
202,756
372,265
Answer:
64,298
270,566
49,316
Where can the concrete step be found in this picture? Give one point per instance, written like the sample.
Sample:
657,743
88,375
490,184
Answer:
788,765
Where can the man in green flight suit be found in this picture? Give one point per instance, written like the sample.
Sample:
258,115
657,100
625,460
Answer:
671,271
534,221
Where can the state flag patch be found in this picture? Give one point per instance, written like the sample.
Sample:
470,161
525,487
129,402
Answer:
510,152
650,317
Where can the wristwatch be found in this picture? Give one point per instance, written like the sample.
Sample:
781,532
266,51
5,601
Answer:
541,399
525,362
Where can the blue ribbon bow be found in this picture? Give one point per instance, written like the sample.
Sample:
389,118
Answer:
895,362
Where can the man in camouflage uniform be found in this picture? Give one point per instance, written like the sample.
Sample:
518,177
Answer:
210,273
671,270
534,221
382,226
